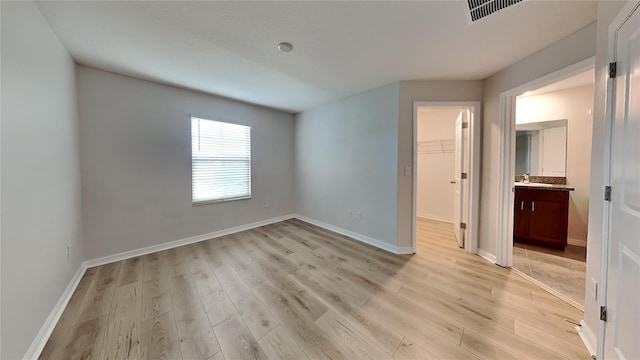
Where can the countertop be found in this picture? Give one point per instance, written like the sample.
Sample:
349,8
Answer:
540,186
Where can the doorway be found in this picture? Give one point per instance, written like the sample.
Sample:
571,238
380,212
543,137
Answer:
553,127
506,187
446,158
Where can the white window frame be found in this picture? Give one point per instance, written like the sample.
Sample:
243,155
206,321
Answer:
250,167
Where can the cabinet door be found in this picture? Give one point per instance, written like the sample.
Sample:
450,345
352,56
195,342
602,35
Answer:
521,216
548,222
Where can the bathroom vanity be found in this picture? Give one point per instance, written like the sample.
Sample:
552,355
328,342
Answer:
541,214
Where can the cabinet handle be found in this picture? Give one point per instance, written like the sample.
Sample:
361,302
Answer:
521,205
533,206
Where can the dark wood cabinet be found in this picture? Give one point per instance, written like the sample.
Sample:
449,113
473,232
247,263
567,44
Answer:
541,217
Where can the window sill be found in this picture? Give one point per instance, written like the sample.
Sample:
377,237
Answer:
208,202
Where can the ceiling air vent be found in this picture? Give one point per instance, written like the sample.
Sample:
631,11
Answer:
483,8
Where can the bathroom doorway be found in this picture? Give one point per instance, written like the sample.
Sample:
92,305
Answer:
445,186
549,179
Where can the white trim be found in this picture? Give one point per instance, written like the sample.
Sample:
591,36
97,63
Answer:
577,242
404,250
362,238
475,126
47,328
587,337
550,290
435,217
177,243
487,256
504,223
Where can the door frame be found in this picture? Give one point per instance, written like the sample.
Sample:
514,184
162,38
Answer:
504,226
473,183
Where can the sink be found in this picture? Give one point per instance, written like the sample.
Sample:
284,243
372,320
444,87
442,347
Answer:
536,184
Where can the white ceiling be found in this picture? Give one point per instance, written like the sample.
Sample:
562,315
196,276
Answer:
582,79
341,48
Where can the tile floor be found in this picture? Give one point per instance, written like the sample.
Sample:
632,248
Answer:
562,271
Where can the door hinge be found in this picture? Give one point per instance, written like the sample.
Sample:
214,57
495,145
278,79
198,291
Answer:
463,226
465,124
463,176
613,70
603,313
607,193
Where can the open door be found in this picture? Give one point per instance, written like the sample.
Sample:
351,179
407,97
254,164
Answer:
622,329
461,196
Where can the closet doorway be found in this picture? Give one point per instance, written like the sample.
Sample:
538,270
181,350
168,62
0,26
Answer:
445,181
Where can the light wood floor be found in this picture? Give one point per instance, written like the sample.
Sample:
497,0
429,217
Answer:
295,291
561,273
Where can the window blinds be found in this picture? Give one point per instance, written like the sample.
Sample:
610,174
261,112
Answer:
220,161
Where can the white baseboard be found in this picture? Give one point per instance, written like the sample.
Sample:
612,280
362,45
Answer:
404,250
435,217
47,328
577,242
362,238
587,337
181,242
487,256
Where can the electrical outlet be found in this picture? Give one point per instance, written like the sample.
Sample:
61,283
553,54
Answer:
267,204
68,251
358,215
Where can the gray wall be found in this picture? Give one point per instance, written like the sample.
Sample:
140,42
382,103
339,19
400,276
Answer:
570,50
411,91
40,174
346,158
607,11
135,150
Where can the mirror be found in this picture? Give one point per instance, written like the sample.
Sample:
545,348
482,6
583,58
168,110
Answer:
541,148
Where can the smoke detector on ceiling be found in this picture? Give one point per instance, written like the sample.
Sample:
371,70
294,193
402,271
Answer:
285,47
479,9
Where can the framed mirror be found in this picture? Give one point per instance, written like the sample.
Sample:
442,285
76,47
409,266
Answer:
541,148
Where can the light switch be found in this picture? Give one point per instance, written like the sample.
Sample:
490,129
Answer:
593,289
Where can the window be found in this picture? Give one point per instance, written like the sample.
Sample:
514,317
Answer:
220,161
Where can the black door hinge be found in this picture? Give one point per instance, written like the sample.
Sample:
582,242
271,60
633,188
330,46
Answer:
463,175
613,70
603,313
607,193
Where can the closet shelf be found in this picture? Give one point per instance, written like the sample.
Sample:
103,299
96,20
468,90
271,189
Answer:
442,146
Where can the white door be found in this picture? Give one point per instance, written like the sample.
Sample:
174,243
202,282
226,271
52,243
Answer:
622,329
459,168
